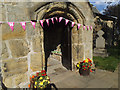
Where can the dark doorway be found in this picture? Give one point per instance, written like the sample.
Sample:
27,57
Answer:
58,34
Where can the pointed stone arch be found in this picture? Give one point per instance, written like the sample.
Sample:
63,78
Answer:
69,11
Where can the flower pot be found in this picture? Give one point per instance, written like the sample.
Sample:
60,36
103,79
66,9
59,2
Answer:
46,88
84,72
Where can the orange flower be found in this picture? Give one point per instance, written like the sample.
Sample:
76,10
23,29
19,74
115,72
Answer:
90,70
33,76
29,85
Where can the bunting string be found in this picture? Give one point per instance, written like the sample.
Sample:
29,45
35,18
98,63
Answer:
58,19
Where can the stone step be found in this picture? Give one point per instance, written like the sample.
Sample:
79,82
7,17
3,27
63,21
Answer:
73,81
100,54
53,61
52,69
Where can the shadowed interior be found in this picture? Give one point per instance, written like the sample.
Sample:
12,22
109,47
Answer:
58,34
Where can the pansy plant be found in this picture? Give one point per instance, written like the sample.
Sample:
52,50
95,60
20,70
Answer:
86,64
40,80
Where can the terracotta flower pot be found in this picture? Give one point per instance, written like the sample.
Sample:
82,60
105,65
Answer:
84,72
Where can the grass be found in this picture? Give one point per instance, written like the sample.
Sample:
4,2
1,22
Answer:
108,63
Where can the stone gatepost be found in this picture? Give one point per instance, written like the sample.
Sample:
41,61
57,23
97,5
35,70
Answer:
100,45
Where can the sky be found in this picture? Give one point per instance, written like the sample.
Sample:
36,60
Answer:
102,4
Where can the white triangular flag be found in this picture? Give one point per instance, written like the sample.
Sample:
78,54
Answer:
52,20
60,18
33,24
11,24
66,21
23,24
47,20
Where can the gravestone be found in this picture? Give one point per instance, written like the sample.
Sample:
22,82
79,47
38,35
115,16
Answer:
100,45
100,41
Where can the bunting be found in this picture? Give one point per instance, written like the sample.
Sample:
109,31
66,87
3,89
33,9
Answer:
73,24
47,20
11,24
84,27
33,24
87,27
56,19
66,21
52,20
91,28
60,19
78,25
23,24
41,22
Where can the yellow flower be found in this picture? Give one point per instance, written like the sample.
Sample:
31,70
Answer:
35,83
34,86
77,65
44,80
41,83
86,60
47,77
41,87
48,82
41,78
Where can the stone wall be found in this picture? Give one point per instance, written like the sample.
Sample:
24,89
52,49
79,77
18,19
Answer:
23,52
20,49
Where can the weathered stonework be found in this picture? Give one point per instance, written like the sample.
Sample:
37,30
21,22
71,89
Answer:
37,57
4,53
36,43
23,52
7,33
21,78
19,48
9,81
12,67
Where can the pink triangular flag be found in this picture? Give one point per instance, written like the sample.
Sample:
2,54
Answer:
11,24
56,19
60,18
33,24
73,24
52,20
91,28
66,21
47,20
79,26
23,24
83,27
41,21
87,27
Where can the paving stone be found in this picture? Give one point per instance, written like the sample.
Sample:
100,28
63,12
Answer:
53,61
63,78
74,82
97,83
